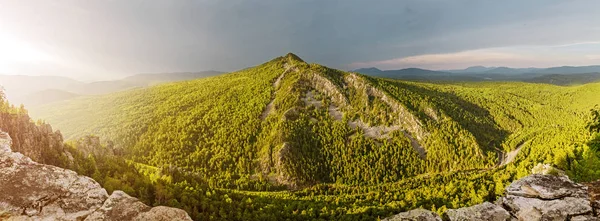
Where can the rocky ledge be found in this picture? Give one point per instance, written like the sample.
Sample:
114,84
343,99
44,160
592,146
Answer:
535,197
33,191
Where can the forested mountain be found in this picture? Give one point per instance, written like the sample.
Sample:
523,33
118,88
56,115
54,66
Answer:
138,80
37,140
292,140
17,86
566,79
566,75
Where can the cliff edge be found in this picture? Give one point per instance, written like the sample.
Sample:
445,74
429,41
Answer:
33,191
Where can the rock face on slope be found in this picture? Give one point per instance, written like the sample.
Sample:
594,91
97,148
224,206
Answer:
33,191
535,197
36,141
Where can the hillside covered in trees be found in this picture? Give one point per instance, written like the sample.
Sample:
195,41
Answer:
292,140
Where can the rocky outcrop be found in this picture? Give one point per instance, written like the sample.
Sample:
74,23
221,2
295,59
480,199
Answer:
484,211
326,87
33,191
415,215
37,141
535,197
546,197
120,206
404,118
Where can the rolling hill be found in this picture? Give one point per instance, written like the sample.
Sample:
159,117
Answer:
562,75
38,90
135,81
292,140
20,85
566,79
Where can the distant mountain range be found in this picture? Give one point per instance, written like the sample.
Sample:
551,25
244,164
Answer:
555,75
38,90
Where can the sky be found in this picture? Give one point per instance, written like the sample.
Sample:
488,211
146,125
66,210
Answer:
116,38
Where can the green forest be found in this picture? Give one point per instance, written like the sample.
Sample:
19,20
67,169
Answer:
288,140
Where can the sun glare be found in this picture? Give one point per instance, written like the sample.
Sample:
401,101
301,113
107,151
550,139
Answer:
15,52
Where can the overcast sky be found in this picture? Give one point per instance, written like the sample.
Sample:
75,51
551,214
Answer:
110,39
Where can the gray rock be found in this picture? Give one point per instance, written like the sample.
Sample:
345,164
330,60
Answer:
120,206
547,197
44,192
585,218
163,213
415,215
484,211
546,187
537,209
33,191
532,198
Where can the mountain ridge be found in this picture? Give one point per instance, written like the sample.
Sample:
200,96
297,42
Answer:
481,73
292,136
39,90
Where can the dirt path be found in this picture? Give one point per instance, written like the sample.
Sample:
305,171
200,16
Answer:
510,156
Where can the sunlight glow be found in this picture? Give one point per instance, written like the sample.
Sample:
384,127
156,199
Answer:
14,52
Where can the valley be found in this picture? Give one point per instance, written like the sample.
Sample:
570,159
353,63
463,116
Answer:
292,140
322,110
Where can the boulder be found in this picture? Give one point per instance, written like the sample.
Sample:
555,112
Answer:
547,187
484,211
415,215
120,206
547,197
538,209
33,191
41,191
585,218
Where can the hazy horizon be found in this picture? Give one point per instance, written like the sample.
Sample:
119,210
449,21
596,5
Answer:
114,39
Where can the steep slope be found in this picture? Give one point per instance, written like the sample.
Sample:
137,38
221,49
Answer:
260,123
36,140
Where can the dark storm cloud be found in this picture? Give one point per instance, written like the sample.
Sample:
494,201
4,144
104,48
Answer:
155,36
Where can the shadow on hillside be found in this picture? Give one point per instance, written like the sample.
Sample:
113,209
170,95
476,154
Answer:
487,133
595,143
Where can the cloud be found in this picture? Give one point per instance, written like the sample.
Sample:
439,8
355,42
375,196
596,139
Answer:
126,37
449,60
595,57
516,56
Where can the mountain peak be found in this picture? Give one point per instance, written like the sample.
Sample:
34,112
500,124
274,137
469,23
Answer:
293,57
